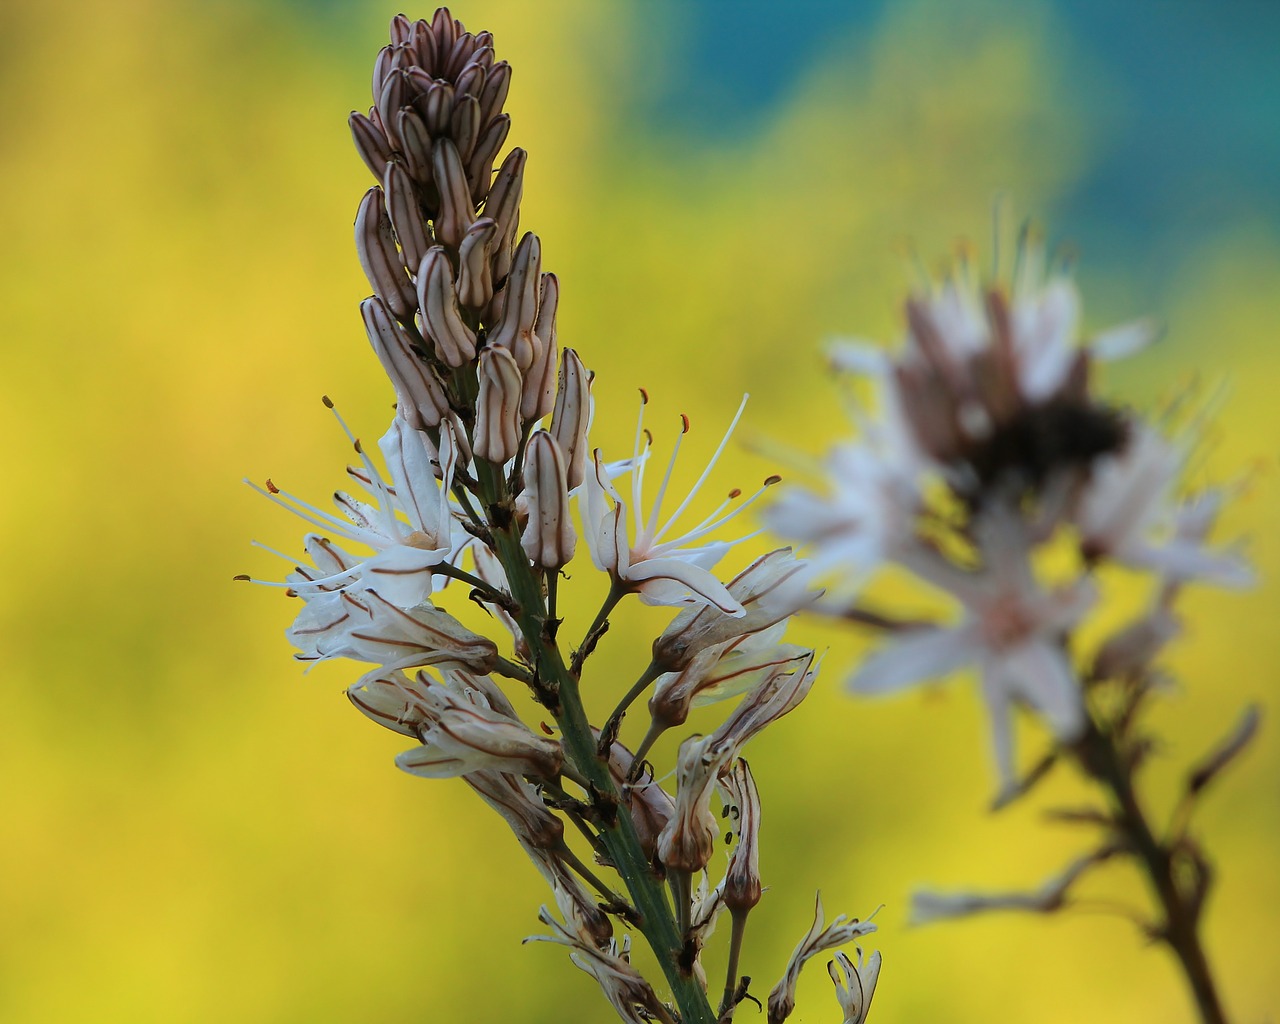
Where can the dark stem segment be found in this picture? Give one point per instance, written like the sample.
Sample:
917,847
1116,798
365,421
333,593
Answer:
1180,928
560,695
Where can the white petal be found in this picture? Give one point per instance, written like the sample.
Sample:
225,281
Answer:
918,655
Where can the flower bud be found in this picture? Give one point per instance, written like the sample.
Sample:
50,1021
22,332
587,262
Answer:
379,257
475,282
456,212
503,205
371,144
480,165
571,417
497,430
454,341
518,804
689,839
464,125
494,94
514,331
411,228
539,379
419,395
548,537
415,143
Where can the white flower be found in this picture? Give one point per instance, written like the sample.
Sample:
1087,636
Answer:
409,524
1011,631
662,570
1126,513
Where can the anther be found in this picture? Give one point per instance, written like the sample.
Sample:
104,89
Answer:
272,487
735,493
328,402
644,396
684,420
241,576
770,481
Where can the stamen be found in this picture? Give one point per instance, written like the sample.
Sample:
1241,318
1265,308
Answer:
724,441
662,489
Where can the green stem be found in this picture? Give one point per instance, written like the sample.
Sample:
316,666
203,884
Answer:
561,696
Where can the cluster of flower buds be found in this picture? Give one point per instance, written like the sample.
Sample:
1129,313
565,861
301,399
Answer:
487,479
988,467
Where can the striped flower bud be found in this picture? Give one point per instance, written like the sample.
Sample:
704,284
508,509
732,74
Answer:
514,331
475,282
497,430
480,165
540,379
415,143
503,205
371,144
548,537
380,258
453,340
411,228
419,395
464,126
571,417
456,212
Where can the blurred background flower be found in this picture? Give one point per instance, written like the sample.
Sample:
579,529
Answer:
191,831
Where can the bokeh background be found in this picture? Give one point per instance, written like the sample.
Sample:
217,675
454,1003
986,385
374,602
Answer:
190,830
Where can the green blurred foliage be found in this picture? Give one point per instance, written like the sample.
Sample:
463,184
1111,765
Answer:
192,831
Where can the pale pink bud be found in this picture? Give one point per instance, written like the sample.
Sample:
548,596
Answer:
391,98
456,212
437,108
464,125
548,537
371,144
497,430
411,229
503,205
480,166
514,331
475,282
496,85
415,143
571,416
379,257
540,378
419,395
454,341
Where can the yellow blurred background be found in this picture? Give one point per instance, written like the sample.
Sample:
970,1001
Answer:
192,831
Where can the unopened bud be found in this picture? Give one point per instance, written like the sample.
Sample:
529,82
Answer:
464,126
456,212
540,379
475,282
371,144
480,165
454,342
415,142
503,205
420,397
379,257
571,416
514,331
497,430
405,211
548,538
496,85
